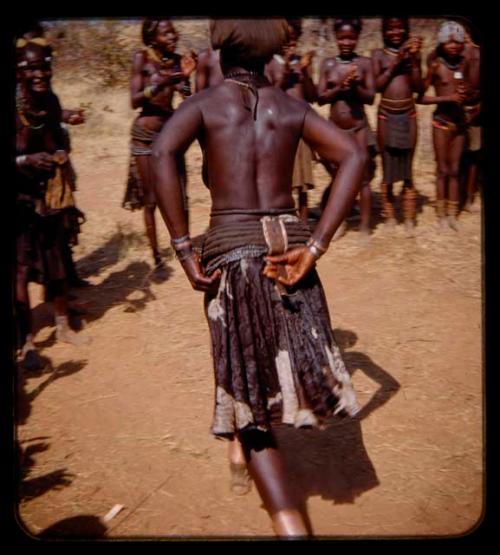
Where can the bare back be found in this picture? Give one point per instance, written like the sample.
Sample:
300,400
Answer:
250,161
250,153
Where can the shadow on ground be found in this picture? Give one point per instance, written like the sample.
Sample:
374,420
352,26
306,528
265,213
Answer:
333,463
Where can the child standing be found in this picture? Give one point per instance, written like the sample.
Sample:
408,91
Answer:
398,76
448,73
347,84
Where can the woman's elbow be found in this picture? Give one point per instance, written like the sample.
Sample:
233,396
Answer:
160,153
157,154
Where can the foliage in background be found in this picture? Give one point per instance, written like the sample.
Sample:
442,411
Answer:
100,51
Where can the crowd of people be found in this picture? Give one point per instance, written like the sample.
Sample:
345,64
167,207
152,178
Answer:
275,357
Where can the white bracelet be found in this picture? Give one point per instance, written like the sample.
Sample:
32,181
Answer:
20,160
313,249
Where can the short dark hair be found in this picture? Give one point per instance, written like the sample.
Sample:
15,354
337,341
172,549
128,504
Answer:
404,20
248,41
354,22
149,27
296,25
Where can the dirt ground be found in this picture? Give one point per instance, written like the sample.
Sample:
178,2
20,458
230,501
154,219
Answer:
125,420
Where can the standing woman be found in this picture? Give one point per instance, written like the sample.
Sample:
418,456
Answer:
157,72
449,75
398,77
347,83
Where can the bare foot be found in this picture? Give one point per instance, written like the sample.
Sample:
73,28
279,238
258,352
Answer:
364,236
410,228
453,223
67,335
241,482
472,207
443,223
240,478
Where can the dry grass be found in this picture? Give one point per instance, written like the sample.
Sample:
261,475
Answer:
99,51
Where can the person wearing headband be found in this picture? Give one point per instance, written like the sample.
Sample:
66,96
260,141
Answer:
43,198
33,32
449,74
275,358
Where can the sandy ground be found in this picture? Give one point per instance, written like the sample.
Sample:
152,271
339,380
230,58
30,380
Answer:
125,421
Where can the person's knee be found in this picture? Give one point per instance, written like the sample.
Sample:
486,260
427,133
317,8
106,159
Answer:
454,169
443,170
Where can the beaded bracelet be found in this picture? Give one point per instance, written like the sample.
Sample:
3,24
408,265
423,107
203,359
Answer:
179,240
186,88
183,247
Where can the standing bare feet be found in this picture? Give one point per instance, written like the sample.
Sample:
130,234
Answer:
65,334
240,483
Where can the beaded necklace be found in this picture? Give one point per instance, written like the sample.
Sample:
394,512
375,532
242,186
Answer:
165,61
448,65
341,60
23,110
391,51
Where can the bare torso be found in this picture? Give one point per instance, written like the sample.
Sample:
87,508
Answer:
446,79
400,86
294,86
258,173
157,110
347,110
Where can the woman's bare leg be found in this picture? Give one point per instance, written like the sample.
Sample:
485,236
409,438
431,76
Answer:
387,197
240,478
441,140
145,174
455,151
365,198
409,192
59,294
267,469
